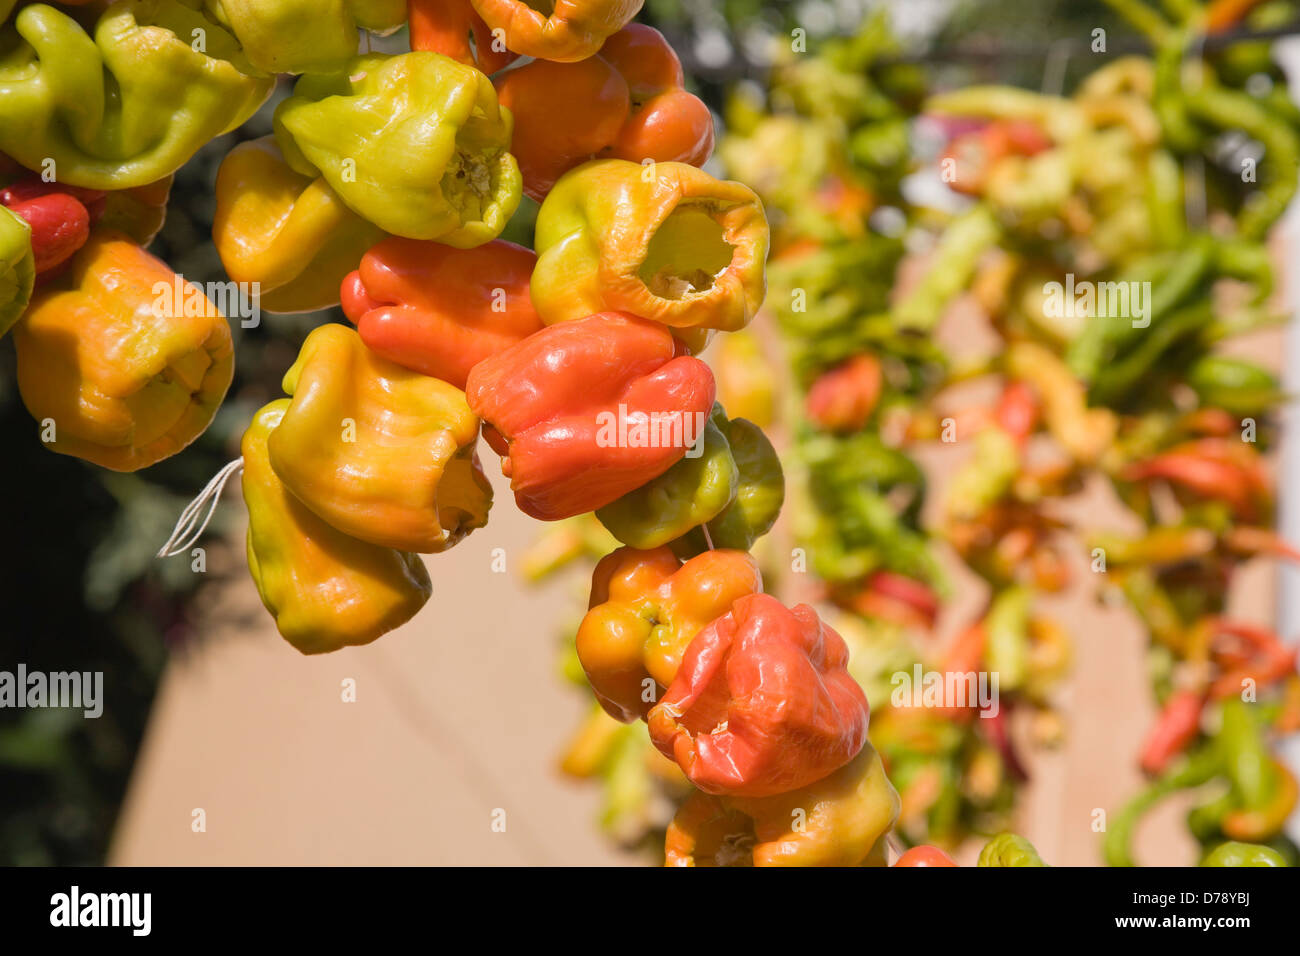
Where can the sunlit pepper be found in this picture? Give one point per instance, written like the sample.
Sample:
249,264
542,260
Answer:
453,28
325,589
382,453
439,310
763,702
634,108
839,820
17,268
561,30
304,36
645,609
584,412
415,143
290,234
126,360
664,241
129,106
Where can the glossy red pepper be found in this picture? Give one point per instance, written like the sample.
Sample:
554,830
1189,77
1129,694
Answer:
60,217
925,856
762,703
439,310
585,411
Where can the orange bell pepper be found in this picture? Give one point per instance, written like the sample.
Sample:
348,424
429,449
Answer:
584,412
127,375
634,107
562,30
439,310
763,702
382,453
454,29
645,608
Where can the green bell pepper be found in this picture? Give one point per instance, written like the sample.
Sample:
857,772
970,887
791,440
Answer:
17,268
415,143
694,490
131,105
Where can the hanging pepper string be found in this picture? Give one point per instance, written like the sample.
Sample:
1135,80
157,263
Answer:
189,528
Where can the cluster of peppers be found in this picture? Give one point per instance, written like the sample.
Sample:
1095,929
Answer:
384,188
1131,182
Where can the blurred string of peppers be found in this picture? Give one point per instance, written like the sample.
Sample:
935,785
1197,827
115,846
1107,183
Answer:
1157,179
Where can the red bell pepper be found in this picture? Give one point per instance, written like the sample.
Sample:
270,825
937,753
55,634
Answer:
925,856
585,411
439,310
633,107
763,702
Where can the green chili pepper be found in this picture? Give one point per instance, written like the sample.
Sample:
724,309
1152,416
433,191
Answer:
1118,379
959,251
1197,768
1240,387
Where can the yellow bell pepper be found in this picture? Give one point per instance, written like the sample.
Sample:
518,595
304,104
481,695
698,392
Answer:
326,590
291,234
664,241
128,107
415,143
837,821
304,36
128,362
17,268
380,452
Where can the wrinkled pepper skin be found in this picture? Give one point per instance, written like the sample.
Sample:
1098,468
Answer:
325,589
760,491
438,310
837,821
571,30
128,376
289,233
667,242
17,268
382,453
634,108
130,106
415,143
447,26
555,401
1008,849
1243,854
763,702
645,609
695,490
304,36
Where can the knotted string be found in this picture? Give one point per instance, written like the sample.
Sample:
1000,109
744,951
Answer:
189,528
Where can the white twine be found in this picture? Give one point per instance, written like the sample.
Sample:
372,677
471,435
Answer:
188,527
